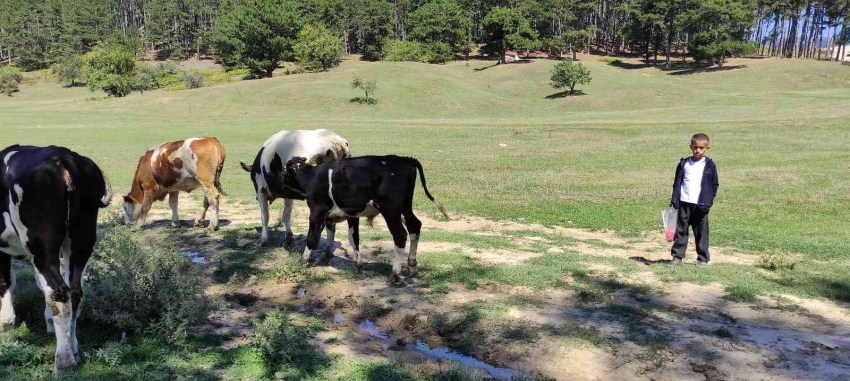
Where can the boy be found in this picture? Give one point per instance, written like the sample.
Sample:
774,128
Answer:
693,194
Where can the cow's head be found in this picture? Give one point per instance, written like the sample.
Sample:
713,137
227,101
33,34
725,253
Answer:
292,168
132,208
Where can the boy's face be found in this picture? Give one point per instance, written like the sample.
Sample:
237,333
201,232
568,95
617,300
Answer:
699,148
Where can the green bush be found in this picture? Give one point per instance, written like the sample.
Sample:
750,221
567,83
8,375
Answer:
192,80
775,260
10,78
569,74
68,70
611,60
369,86
318,48
413,51
277,339
157,75
153,291
110,69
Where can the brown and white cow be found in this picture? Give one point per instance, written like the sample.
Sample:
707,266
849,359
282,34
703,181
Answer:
268,172
170,168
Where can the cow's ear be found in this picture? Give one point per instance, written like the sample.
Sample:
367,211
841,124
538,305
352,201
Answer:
127,198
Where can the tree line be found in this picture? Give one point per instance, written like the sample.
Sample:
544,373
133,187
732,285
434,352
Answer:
35,34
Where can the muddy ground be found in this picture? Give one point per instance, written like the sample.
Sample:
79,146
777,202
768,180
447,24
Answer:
645,330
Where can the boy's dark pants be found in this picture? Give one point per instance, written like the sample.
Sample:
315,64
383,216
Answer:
691,215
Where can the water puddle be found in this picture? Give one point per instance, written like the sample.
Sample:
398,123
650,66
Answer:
369,328
194,256
339,318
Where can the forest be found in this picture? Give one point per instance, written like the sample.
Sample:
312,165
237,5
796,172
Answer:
34,34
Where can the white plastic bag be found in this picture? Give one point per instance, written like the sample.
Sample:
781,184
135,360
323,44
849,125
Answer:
668,217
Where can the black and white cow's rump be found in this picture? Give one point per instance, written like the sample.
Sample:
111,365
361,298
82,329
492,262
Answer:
267,172
49,201
366,186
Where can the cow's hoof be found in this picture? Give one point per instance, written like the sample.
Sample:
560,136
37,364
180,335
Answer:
199,222
395,278
175,224
63,363
411,270
289,240
326,260
358,268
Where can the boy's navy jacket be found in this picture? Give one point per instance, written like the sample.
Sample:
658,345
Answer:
709,185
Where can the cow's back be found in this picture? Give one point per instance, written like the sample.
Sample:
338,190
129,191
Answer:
308,144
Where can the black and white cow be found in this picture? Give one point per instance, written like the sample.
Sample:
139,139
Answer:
364,186
267,172
49,201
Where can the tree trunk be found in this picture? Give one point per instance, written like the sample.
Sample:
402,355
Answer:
270,71
669,42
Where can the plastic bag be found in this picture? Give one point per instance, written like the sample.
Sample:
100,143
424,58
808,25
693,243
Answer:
668,217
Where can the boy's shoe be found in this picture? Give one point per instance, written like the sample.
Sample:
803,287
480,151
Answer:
702,264
676,261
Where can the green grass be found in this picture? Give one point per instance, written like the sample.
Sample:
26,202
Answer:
602,161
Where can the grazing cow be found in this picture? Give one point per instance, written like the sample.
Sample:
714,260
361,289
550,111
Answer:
170,168
363,187
49,201
267,173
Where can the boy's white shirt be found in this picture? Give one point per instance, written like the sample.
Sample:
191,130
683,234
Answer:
692,181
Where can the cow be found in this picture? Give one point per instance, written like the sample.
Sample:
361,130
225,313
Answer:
174,167
50,198
267,172
364,186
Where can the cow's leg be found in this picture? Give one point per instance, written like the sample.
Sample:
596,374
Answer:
202,215
7,285
396,228
330,229
48,314
211,199
147,201
57,295
83,234
314,233
286,217
354,241
414,227
264,217
172,201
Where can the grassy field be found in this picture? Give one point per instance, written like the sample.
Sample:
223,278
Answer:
603,160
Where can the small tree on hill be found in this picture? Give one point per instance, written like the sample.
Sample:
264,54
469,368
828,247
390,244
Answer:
368,86
569,74
319,48
111,69
68,70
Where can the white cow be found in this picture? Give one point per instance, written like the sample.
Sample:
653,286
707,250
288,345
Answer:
268,173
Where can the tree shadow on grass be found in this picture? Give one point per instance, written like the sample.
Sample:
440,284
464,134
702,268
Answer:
708,69
363,100
565,94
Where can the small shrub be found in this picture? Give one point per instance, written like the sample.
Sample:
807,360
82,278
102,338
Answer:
569,74
192,80
277,339
611,60
845,63
68,70
10,78
112,353
152,76
413,51
369,86
455,372
403,51
111,69
155,291
775,260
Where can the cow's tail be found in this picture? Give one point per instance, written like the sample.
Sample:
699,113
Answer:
244,166
217,180
438,204
107,193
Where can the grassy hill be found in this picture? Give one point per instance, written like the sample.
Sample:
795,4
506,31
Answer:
603,160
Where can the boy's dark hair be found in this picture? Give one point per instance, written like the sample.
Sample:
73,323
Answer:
700,137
